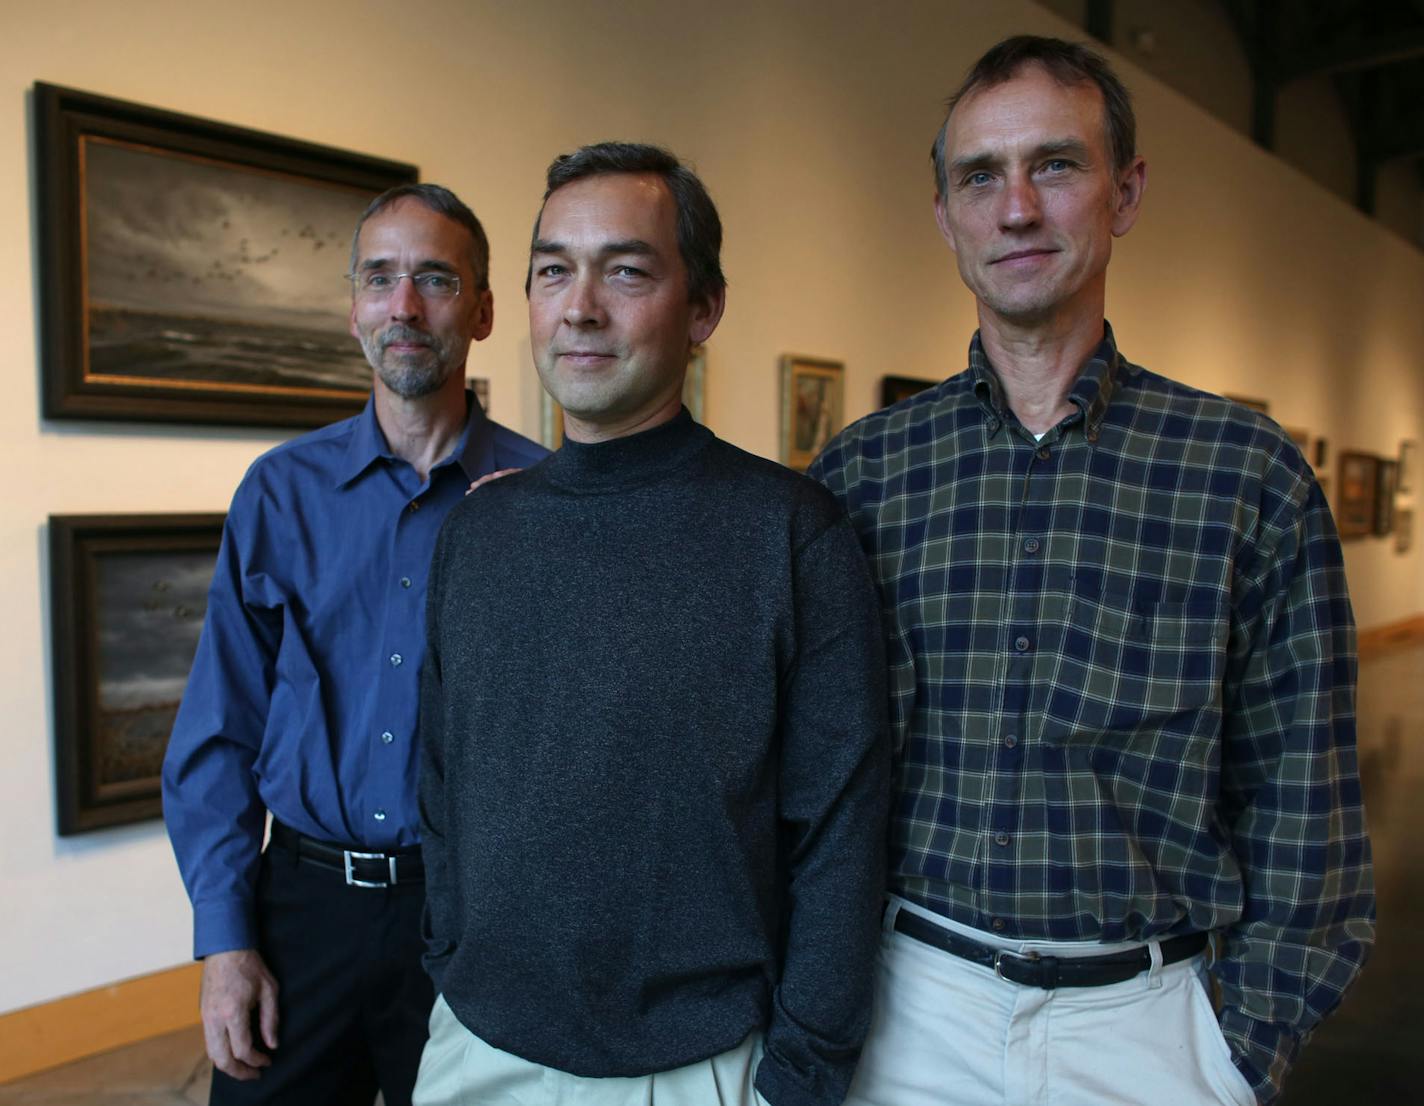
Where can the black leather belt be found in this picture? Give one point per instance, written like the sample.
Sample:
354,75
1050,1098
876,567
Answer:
1033,969
361,869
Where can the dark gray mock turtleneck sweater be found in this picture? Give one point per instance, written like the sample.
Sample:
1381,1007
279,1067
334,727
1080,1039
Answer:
656,770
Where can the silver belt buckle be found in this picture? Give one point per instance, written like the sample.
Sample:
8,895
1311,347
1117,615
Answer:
999,957
352,881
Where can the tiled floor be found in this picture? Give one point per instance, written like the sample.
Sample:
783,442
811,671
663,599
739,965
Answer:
1369,1052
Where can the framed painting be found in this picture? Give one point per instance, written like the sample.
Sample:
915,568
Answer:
895,388
192,271
128,596
812,407
1408,466
1356,495
1386,473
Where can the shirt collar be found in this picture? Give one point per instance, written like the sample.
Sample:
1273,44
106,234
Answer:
473,452
1092,390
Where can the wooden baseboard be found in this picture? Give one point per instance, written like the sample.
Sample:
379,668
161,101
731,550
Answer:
70,1028
1393,635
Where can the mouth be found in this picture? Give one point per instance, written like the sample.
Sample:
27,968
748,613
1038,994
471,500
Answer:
1023,256
584,357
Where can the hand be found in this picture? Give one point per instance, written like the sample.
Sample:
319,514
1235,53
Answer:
234,983
487,477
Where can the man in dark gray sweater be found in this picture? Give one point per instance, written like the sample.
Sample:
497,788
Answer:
656,770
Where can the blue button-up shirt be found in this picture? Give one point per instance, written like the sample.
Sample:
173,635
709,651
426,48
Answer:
303,695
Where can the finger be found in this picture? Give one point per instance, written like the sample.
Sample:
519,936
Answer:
485,479
267,1014
239,1035
220,1053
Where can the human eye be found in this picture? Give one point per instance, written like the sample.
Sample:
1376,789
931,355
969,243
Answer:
434,282
628,272
550,271
1058,165
977,179
376,281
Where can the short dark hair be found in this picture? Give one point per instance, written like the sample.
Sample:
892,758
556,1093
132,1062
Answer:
699,228
441,201
1066,62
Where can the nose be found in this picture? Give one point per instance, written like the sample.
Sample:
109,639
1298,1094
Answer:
405,301
582,305
1019,202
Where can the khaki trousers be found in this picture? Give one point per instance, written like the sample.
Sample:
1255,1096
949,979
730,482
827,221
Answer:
945,1032
459,1069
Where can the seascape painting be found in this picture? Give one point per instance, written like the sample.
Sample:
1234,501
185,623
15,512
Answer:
128,596
204,272
149,610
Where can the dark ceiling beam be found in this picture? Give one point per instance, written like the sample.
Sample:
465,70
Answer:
1261,50
1098,20
1370,53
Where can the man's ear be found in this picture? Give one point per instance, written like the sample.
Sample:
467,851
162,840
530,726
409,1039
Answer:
1127,199
942,221
706,314
484,315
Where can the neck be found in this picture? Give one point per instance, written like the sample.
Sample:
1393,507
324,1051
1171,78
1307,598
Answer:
422,431
589,432
1037,363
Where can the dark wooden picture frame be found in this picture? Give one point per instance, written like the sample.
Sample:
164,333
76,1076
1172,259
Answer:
192,271
1386,476
1356,494
895,388
128,594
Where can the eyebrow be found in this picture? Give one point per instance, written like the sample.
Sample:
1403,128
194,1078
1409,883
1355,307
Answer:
1073,146
634,246
425,266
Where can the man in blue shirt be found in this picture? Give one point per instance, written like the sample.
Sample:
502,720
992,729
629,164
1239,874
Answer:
303,695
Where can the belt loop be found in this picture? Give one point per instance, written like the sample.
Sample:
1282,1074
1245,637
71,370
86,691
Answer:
1154,973
892,907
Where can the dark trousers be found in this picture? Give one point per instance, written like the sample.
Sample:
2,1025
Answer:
353,1001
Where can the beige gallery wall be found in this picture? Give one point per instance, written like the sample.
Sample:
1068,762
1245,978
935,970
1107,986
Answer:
810,120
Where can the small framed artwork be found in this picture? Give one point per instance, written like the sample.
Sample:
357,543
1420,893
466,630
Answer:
1356,495
480,385
1301,437
1255,404
192,271
694,385
1408,467
812,407
1404,529
128,596
1321,454
895,388
1385,476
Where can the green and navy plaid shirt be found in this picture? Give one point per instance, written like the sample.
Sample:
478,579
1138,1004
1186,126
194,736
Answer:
1123,680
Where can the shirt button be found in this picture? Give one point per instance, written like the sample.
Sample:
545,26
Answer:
387,737
1031,545
1011,740
379,816
998,925
395,660
1043,453
1001,838
1021,643
405,581
415,504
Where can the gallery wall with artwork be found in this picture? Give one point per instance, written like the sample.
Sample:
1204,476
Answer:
809,126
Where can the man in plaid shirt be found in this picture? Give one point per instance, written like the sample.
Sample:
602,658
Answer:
1123,667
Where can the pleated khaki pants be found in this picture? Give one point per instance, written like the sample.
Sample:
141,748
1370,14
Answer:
459,1069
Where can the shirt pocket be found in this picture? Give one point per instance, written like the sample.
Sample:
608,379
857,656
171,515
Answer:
1130,671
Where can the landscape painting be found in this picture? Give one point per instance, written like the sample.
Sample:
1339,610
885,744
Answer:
193,271
200,272
130,594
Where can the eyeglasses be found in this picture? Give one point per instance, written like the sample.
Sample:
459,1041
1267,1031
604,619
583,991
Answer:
431,284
